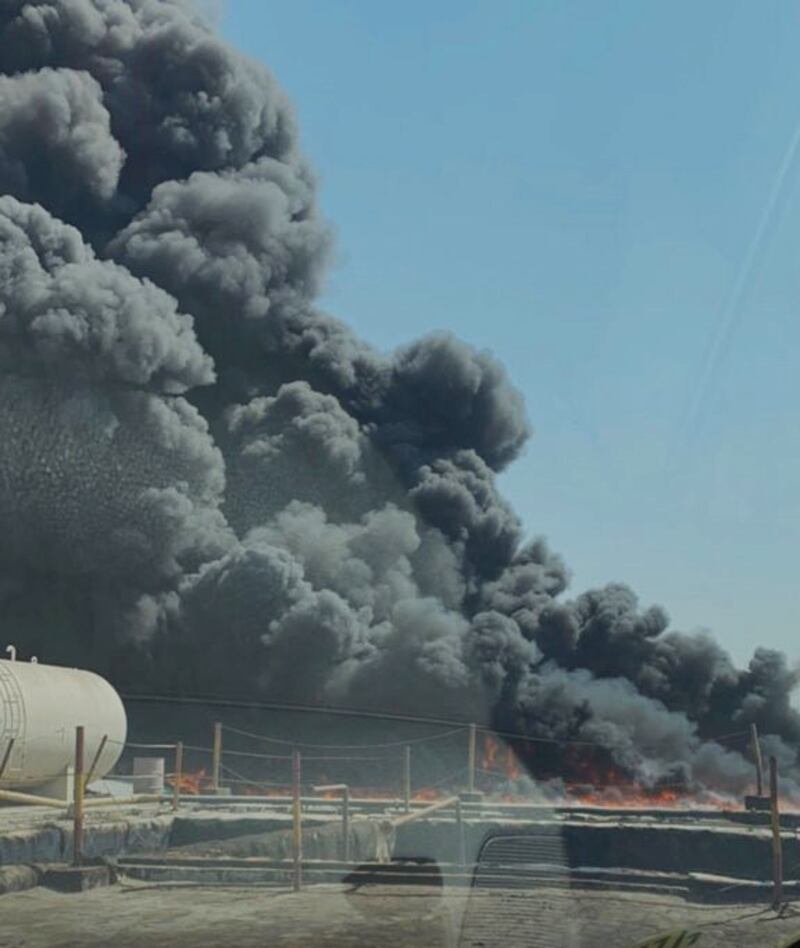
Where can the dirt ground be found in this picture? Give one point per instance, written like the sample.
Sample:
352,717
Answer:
328,916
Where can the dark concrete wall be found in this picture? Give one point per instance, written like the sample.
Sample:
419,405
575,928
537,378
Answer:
53,841
738,851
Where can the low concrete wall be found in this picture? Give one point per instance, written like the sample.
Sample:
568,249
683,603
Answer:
116,835
42,844
52,842
323,841
126,836
689,847
204,834
732,851
740,852
18,878
189,829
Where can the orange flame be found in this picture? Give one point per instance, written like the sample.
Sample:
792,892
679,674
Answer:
490,748
509,767
513,769
191,783
593,783
428,794
626,795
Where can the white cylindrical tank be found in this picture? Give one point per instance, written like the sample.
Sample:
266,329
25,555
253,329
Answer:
40,707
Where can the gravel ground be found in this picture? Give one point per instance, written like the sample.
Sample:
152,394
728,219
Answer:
329,916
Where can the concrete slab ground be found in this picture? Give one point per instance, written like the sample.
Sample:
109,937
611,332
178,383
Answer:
328,916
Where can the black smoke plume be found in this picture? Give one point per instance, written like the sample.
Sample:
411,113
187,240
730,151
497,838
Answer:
209,485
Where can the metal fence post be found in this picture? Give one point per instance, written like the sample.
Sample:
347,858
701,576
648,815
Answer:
471,758
777,848
297,827
462,843
346,824
407,777
216,760
759,760
77,798
177,777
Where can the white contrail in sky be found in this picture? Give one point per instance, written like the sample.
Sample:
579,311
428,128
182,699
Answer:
725,324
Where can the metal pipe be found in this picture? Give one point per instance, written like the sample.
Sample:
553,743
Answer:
100,748
6,756
426,811
124,801
16,796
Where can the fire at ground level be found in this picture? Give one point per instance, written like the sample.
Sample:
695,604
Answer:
433,768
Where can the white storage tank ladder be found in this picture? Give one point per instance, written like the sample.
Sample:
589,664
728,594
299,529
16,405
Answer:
12,711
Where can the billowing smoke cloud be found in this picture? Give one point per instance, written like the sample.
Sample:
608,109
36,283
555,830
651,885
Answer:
208,485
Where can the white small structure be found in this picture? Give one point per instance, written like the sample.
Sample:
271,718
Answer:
148,775
40,708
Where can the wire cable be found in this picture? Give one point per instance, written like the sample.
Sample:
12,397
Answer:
277,740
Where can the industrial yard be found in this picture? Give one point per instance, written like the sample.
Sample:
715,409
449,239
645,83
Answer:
221,872
411,833
290,656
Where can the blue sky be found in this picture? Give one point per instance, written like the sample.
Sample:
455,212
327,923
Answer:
607,196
